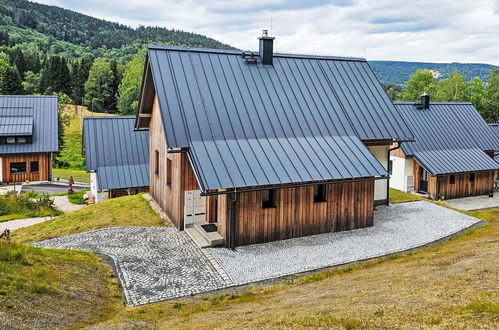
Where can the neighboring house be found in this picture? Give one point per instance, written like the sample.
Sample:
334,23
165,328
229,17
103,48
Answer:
266,146
453,153
28,137
117,156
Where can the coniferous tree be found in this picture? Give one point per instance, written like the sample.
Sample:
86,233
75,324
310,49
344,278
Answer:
17,59
11,83
115,83
56,76
98,87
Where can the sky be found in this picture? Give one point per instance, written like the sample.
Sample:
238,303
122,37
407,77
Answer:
425,30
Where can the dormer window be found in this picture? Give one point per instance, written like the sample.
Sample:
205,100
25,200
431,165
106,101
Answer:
11,140
16,139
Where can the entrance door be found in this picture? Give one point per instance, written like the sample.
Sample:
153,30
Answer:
194,208
423,180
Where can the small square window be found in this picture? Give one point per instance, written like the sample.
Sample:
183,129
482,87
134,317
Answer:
268,198
452,179
21,139
33,167
11,140
472,177
319,193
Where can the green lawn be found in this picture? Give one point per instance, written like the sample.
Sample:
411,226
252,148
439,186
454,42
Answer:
22,206
123,211
78,175
397,196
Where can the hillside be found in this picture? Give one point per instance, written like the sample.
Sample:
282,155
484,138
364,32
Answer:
397,72
62,31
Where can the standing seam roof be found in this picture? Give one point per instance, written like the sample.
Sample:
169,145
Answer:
300,119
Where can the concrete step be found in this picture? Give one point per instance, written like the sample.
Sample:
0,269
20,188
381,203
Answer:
214,237
197,237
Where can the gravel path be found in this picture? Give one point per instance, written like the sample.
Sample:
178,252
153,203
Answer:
156,263
16,224
63,204
396,228
153,263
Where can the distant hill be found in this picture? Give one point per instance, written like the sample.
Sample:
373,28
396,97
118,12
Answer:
397,72
61,31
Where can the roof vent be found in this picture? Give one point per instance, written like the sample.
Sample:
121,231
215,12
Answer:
425,101
250,57
266,47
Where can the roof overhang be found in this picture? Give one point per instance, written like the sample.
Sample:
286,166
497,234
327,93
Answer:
146,99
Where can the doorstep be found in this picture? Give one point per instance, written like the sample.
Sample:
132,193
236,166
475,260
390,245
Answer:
203,238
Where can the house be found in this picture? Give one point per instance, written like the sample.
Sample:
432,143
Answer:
28,137
117,156
257,146
453,153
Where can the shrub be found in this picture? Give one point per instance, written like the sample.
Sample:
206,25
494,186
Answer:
32,194
77,197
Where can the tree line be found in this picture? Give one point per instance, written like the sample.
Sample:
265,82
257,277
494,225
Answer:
484,96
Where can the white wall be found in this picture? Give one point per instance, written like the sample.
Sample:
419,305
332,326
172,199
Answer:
1,174
402,175
94,188
381,154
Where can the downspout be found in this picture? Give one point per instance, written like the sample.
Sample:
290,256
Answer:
389,174
232,222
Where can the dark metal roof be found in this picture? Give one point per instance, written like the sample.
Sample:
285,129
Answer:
118,154
455,161
34,116
256,118
450,137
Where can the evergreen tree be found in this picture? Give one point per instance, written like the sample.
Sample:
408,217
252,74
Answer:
116,78
56,76
17,59
421,81
11,83
98,87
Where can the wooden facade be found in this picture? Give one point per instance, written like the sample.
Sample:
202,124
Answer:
460,185
44,172
348,205
169,196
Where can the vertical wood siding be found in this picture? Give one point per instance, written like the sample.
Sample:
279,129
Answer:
44,167
169,197
347,206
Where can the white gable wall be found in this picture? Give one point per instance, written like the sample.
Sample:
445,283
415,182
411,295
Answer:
380,186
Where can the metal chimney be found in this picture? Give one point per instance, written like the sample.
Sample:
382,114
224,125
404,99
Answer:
425,101
266,47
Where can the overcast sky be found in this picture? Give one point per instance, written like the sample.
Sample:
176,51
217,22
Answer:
425,30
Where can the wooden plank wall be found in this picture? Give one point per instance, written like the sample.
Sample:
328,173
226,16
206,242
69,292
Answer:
463,187
44,167
169,197
348,206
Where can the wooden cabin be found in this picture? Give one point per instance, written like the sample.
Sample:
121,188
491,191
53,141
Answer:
28,138
251,147
452,156
116,155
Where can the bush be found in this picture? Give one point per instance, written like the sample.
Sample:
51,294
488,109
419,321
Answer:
24,206
32,194
77,197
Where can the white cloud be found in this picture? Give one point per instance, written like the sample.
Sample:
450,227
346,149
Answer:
424,30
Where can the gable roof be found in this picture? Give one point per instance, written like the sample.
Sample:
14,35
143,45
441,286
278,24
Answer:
118,154
450,137
34,116
248,124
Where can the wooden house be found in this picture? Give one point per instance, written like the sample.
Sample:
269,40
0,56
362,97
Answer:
250,147
453,153
28,137
116,155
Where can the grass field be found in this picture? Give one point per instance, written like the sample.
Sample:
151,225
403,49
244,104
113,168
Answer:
452,285
124,211
397,196
78,175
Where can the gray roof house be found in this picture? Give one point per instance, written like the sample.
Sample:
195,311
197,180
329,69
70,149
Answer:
116,155
28,137
266,127
453,151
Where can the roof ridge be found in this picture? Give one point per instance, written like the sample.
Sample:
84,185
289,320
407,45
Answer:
239,52
435,103
26,96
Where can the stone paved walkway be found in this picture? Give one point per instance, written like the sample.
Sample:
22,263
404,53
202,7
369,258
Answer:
396,228
153,263
63,204
156,263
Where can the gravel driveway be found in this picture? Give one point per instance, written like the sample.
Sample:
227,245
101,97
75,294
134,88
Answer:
156,263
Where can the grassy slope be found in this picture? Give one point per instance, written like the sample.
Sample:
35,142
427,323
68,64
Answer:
42,288
397,196
124,211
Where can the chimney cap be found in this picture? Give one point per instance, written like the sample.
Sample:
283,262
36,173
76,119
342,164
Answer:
265,35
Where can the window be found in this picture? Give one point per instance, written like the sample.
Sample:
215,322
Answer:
33,167
319,193
17,168
390,167
156,162
169,172
472,177
21,140
452,179
268,199
11,140
15,140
